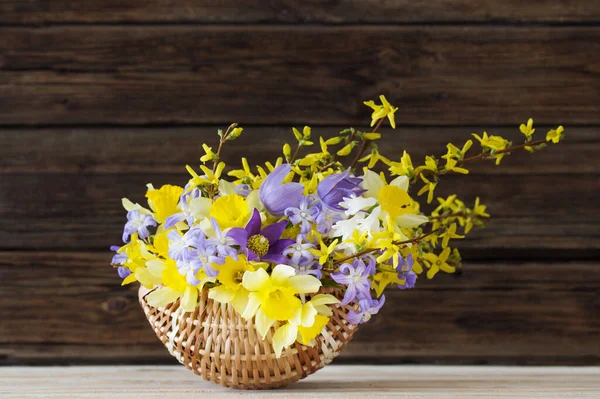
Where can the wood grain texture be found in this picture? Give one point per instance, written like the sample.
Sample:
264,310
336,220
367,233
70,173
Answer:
289,11
331,382
61,188
64,307
273,75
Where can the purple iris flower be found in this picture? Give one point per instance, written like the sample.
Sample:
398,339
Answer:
356,277
405,273
222,242
305,213
277,197
184,205
326,219
180,245
334,188
265,244
368,307
299,251
137,223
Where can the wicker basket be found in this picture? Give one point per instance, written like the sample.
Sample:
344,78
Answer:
217,344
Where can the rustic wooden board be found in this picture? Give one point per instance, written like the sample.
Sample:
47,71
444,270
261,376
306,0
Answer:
331,382
289,11
65,307
271,75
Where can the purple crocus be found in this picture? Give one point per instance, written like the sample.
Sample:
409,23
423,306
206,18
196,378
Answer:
265,244
305,213
137,222
222,242
299,251
405,273
277,197
334,188
184,204
356,277
368,307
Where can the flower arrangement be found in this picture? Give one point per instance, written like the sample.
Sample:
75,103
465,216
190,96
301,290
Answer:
267,241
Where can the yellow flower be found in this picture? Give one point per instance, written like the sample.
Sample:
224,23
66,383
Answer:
438,262
528,129
451,166
404,167
230,211
495,143
231,289
325,251
309,333
381,111
555,135
209,154
163,202
429,188
448,234
345,150
384,278
455,152
375,157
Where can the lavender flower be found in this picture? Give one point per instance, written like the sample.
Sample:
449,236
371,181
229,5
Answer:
203,256
299,251
334,188
120,258
405,273
180,245
265,244
222,242
356,277
326,219
184,204
368,307
305,213
186,267
277,197
137,223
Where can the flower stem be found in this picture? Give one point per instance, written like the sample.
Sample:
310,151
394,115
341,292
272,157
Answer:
221,142
484,156
365,144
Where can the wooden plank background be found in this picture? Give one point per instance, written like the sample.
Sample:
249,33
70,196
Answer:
98,98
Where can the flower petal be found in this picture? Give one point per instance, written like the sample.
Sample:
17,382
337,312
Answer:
281,273
221,294
240,236
305,284
324,299
284,337
409,220
252,306
274,231
401,182
189,299
263,323
255,281
372,182
162,297
308,314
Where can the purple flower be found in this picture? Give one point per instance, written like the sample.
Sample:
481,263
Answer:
243,190
307,266
368,307
299,251
305,213
184,205
334,188
203,256
356,277
186,267
405,273
326,219
119,258
137,223
180,245
222,242
123,271
277,197
265,244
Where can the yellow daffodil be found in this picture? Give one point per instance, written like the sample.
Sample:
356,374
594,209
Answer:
555,135
527,129
163,201
231,289
381,111
438,262
230,211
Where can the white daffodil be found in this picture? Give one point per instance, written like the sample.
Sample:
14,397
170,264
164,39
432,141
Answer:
355,204
393,198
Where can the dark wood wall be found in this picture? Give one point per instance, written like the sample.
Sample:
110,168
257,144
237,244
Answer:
98,98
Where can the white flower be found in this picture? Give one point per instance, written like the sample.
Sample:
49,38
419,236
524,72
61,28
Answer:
355,204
